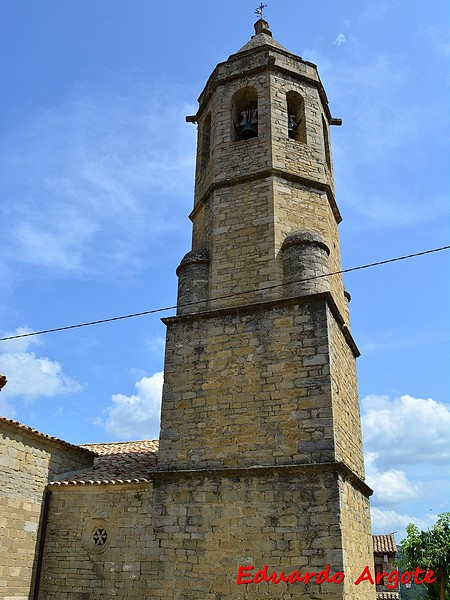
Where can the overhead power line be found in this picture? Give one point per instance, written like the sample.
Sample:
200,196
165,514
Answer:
269,287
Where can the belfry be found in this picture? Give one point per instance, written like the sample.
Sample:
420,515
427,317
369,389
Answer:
260,402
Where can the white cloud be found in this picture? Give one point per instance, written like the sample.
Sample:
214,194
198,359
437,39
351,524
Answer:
30,376
340,40
6,409
136,416
21,344
99,162
406,430
391,486
386,521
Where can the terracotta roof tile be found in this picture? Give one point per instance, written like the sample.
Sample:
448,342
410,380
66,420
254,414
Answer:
48,438
384,544
117,462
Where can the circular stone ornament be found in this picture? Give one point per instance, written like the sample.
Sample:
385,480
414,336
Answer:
96,536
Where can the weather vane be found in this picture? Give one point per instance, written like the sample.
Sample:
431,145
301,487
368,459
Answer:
259,10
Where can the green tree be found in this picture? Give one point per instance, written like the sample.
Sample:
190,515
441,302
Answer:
430,550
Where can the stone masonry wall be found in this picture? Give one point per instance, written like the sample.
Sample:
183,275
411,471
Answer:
75,568
230,159
27,462
248,387
356,539
242,244
305,159
346,413
211,525
244,227
299,208
186,538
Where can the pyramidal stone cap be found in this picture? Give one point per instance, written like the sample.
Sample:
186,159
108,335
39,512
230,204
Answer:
263,37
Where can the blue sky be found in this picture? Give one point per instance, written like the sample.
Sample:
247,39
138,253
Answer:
96,182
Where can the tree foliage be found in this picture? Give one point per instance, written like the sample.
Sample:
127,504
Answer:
415,592
430,550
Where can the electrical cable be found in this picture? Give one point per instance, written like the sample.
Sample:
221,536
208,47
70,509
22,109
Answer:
234,295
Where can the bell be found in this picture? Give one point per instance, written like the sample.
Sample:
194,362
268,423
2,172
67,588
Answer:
292,127
248,131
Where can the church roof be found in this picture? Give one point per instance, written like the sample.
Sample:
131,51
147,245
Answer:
117,462
262,39
20,427
384,544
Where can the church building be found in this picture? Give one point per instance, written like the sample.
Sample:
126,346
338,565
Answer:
257,478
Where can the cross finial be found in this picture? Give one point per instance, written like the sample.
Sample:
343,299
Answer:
260,9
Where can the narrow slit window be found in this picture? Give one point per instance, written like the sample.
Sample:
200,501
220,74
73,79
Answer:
206,139
326,143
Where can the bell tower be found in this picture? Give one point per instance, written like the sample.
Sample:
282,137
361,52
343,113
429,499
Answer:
260,413
263,124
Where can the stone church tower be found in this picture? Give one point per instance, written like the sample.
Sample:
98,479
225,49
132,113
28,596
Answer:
259,466
260,412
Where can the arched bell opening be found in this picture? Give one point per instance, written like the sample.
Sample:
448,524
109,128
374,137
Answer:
244,114
296,117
